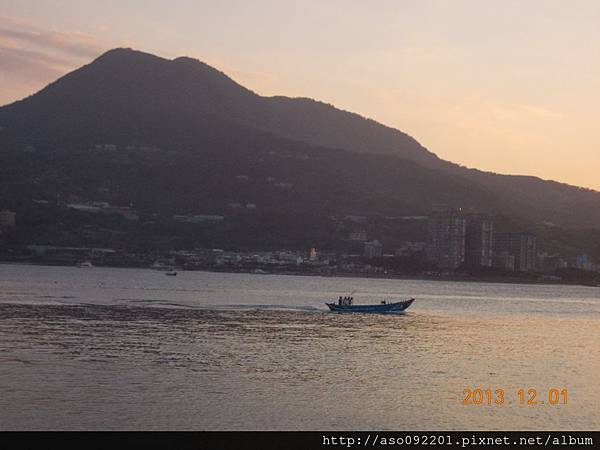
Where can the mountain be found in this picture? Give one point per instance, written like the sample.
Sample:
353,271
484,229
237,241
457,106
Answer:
213,132
131,82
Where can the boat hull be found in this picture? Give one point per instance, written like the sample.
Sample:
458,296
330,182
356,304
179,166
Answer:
383,308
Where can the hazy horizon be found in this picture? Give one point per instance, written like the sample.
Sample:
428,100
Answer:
510,88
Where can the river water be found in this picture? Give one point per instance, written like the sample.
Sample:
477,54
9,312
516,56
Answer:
133,349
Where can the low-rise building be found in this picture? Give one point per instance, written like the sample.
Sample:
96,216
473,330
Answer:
583,262
549,264
198,218
523,246
8,219
373,249
410,248
503,260
357,236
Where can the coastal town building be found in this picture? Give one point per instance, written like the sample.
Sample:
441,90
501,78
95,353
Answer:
550,263
198,218
357,236
503,260
409,248
8,219
523,246
446,239
479,241
373,249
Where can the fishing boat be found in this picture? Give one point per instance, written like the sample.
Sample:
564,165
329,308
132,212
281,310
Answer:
171,273
382,308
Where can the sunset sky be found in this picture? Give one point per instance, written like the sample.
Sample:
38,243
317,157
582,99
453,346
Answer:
507,86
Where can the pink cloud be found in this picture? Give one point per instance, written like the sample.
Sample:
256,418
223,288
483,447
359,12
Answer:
31,56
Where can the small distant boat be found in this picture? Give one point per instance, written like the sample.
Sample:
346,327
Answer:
171,274
84,265
381,308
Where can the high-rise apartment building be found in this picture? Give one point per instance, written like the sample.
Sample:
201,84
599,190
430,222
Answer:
479,241
446,239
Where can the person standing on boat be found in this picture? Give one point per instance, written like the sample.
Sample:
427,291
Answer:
340,301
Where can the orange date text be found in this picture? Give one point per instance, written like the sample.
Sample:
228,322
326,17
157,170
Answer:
522,396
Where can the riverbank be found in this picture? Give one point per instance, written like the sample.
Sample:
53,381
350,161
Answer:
527,279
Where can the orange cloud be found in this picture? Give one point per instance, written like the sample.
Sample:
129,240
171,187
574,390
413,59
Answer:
31,56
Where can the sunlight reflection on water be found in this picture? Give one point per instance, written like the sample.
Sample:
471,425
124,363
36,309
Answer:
133,349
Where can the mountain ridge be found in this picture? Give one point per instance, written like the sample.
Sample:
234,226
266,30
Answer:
128,95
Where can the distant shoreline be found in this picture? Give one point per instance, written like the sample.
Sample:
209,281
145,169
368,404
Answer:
388,276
